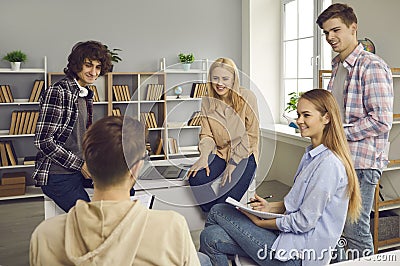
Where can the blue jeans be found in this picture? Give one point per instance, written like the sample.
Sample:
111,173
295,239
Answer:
241,179
204,259
66,189
358,235
229,232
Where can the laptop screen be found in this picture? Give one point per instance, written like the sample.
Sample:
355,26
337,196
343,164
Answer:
164,171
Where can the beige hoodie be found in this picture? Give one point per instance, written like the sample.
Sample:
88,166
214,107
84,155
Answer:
113,233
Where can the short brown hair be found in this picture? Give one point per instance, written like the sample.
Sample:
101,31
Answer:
92,50
338,10
110,145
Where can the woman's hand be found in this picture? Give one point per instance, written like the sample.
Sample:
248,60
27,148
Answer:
269,224
228,174
260,204
198,165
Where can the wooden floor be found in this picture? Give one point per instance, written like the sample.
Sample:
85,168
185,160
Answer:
18,219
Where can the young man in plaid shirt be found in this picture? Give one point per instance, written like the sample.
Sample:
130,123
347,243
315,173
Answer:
363,87
66,111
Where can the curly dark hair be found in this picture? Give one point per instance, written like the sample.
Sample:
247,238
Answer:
92,50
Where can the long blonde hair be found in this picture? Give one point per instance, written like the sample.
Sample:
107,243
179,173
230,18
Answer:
335,140
234,94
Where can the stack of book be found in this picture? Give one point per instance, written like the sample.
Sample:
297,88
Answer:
5,94
172,146
154,92
195,119
12,184
23,122
36,90
198,90
149,119
116,112
121,93
7,154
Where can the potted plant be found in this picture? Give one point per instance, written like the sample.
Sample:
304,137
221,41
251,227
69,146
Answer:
114,55
291,106
15,58
186,60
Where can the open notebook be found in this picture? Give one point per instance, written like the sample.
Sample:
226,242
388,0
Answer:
146,200
263,215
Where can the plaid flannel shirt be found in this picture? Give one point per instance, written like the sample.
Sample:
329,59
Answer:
58,114
368,104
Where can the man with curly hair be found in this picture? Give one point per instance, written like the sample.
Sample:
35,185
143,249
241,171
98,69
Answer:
66,112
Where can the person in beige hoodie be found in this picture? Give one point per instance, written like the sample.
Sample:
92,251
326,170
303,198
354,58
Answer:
112,229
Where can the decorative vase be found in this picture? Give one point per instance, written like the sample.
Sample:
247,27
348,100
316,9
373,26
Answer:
186,67
15,66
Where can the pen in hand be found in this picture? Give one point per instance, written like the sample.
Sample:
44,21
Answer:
267,197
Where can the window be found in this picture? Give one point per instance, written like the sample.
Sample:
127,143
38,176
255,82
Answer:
305,50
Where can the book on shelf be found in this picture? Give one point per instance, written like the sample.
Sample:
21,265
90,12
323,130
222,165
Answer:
3,154
95,93
29,160
2,98
116,111
36,90
125,89
154,92
121,93
23,122
11,156
159,149
6,90
149,119
116,93
198,90
172,146
195,119
26,123
13,122
35,119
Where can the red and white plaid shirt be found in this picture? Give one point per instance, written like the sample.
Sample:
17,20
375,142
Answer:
368,105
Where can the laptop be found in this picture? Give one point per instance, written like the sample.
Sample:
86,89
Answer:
153,172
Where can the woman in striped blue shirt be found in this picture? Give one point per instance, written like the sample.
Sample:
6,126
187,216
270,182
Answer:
325,192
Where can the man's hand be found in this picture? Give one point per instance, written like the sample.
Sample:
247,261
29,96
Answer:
85,171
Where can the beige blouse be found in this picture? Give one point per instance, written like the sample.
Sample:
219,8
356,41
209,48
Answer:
228,134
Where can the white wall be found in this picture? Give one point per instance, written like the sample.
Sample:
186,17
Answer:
262,52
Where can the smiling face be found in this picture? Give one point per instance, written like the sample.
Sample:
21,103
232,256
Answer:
89,73
222,81
342,39
310,121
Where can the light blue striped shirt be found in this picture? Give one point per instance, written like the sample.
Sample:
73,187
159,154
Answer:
316,209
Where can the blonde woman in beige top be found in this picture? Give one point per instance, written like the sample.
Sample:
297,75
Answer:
228,139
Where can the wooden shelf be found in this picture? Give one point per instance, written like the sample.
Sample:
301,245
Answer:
31,192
